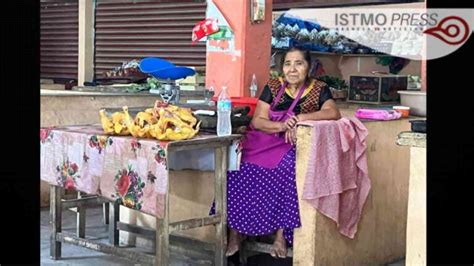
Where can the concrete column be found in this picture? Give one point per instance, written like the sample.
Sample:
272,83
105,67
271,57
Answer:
252,50
416,217
86,41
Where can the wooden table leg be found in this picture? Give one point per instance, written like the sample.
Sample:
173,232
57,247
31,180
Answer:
105,207
55,213
81,219
220,188
114,216
162,235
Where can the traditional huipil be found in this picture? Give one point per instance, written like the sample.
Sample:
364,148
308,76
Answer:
261,196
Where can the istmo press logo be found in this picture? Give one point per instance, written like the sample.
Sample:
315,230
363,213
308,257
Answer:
413,33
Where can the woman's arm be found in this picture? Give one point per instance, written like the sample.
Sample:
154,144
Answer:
261,122
328,111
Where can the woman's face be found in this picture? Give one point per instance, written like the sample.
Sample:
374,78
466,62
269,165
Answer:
295,68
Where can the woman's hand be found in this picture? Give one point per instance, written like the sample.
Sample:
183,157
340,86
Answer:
301,117
283,127
291,122
290,136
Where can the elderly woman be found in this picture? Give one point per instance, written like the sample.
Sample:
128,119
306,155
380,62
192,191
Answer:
262,197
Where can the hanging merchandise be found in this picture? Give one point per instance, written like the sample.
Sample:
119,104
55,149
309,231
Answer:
204,28
222,41
290,31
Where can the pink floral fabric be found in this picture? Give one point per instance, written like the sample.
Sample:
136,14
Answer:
130,171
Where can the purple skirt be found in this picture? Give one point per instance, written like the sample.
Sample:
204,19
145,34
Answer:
262,200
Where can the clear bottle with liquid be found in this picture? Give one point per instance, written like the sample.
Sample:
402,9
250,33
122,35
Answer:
253,86
224,108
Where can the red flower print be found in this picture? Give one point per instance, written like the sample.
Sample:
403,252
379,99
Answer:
135,145
129,188
160,156
100,142
67,174
74,167
44,134
123,184
69,183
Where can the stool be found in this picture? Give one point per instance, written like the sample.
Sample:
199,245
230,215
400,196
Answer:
255,245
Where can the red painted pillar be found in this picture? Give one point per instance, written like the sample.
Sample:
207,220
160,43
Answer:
251,54
423,75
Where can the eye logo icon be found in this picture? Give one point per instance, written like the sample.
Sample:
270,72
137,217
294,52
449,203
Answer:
451,30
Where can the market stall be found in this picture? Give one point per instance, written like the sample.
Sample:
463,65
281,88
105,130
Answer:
95,160
129,172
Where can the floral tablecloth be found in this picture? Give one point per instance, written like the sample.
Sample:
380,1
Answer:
130,171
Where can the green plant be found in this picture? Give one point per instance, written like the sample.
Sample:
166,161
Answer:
384,60
153,83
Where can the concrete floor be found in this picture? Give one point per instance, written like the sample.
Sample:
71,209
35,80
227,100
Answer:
96,229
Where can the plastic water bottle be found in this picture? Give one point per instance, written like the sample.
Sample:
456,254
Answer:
224,126
253,86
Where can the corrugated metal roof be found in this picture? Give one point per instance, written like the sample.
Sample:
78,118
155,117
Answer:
59,39
135,30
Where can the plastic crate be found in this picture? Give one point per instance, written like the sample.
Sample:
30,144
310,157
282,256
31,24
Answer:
242,101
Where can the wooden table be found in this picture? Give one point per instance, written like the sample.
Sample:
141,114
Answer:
113,169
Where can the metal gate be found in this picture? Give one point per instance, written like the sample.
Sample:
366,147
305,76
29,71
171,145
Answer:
129,30
59,39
